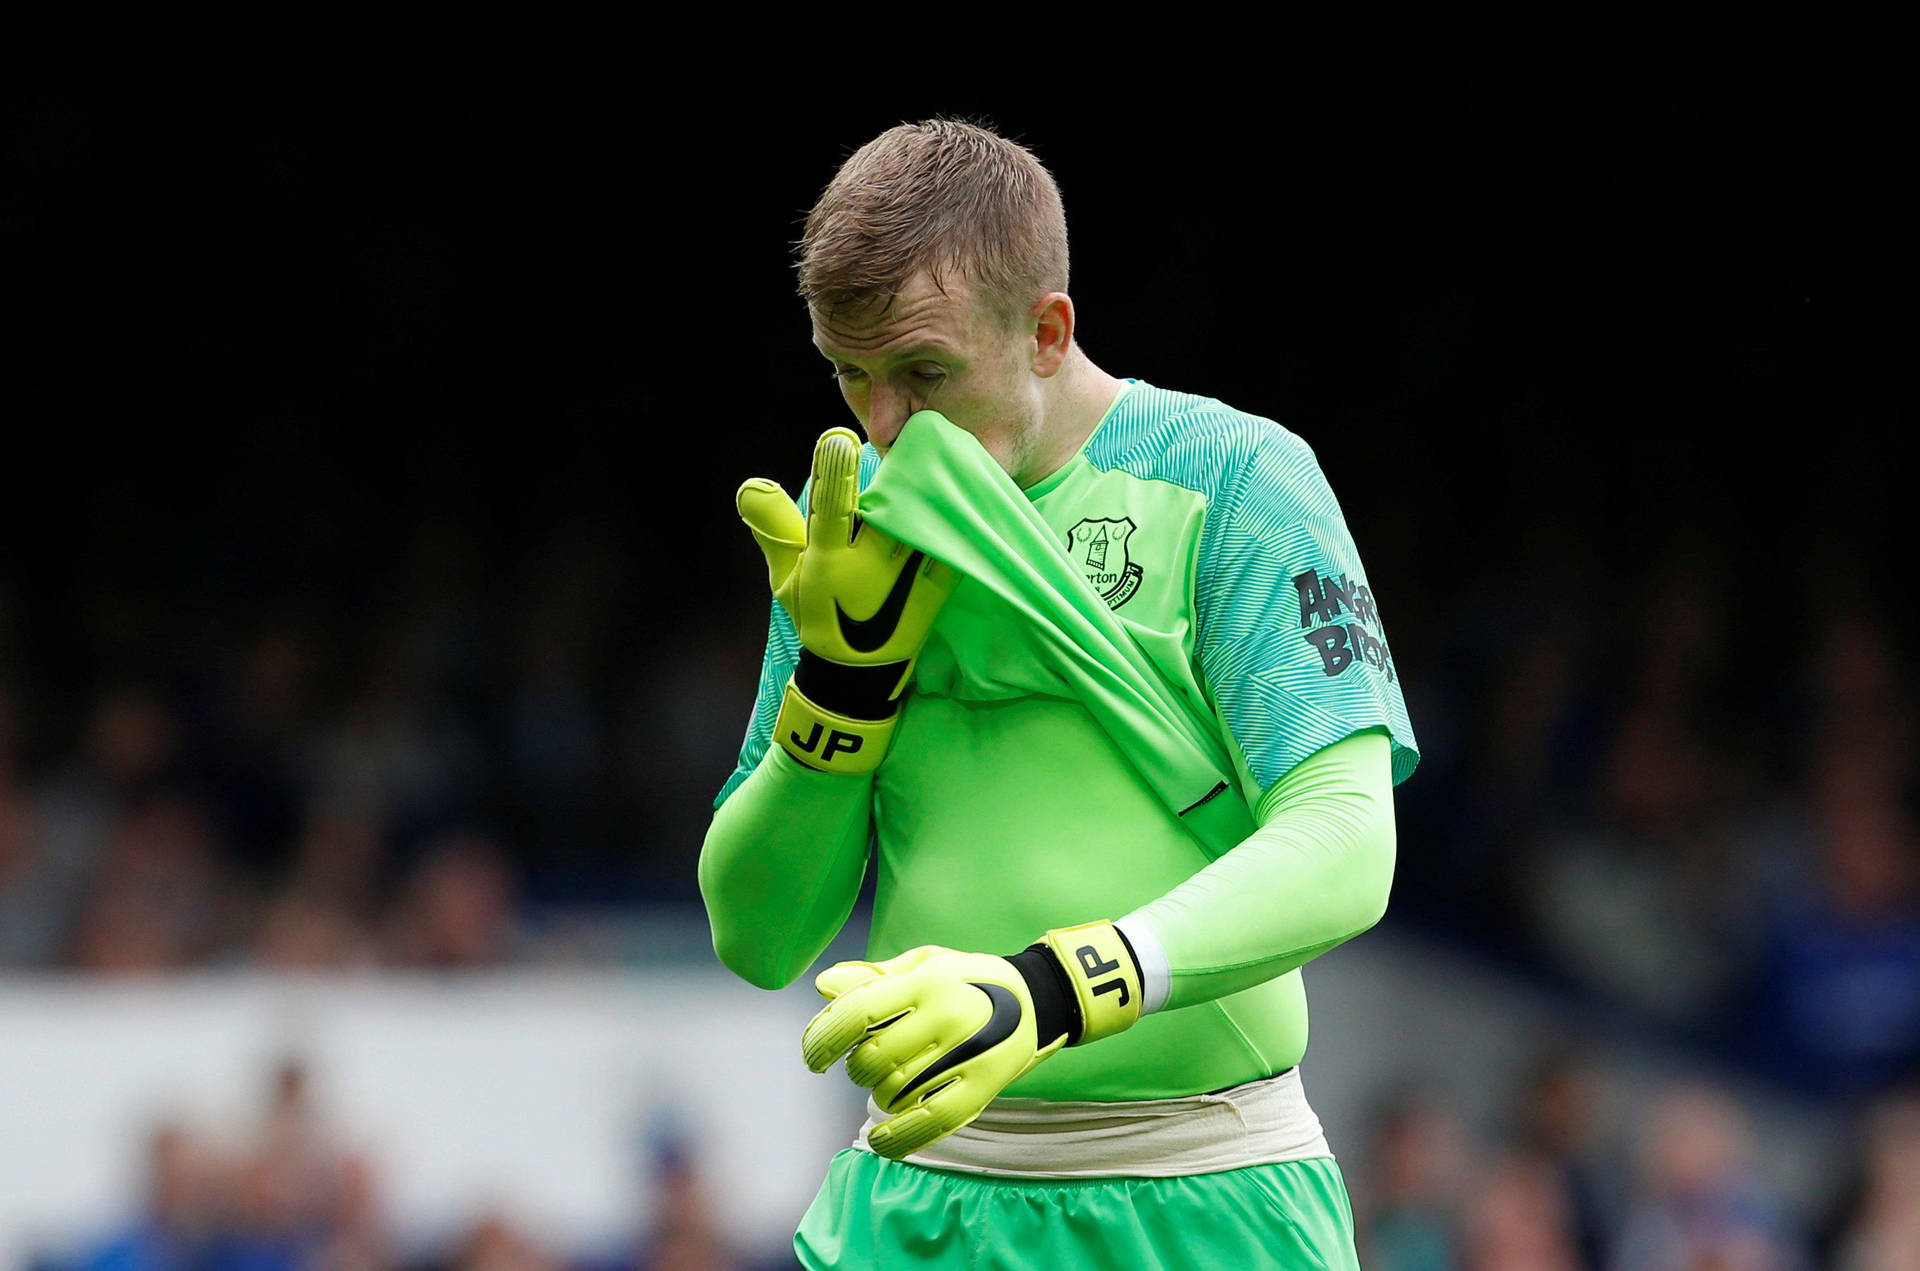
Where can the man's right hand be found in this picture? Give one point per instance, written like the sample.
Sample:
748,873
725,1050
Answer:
861,602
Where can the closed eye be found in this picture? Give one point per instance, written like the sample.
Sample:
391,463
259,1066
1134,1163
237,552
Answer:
847,374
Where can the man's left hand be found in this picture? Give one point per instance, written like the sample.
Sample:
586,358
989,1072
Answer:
937,1034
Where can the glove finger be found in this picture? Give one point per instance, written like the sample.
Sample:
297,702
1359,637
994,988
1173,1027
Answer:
843,977
776,524
851,1016
939,1116
904,1047
834,493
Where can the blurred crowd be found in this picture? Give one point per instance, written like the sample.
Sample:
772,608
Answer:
1634,803
1549,1183
1661,808
1711,836
291,1197
395,789
1680,1186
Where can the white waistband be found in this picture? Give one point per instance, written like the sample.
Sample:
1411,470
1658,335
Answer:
1260,1123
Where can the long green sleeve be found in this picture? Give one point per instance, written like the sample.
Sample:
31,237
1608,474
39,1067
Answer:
781,867
1315,874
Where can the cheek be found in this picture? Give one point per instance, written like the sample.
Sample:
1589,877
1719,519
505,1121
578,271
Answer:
854,394
994,393
996,422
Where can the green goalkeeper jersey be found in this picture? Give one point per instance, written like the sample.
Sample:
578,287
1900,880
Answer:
1005,809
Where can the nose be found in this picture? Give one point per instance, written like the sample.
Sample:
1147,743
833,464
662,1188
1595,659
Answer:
887,412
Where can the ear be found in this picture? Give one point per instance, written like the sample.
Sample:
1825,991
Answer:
1052,318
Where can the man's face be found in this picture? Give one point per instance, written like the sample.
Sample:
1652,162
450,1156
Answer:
935,350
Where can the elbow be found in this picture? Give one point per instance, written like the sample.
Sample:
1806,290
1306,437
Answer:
749,941
1371,913
1379,878
754,962
1371,836
743,948
751,952
1372,878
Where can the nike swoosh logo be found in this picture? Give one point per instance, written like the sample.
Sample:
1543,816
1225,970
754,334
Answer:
999,1026
865,635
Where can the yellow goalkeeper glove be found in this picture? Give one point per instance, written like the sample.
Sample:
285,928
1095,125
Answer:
861,602
937,1034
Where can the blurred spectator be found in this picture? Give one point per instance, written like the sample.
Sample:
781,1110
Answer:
1411,1197
686,1235
296,1145
26,910
1861,694
354,1235
266,1231
1883,1234
263,715
340,860
157,902
66,830
555,719
307,932
179,1224
1649,902
1520,1220
674,738
458,910
1698,1206
494,1244
398,753
320,919
288,1199
1557,1131
1838,986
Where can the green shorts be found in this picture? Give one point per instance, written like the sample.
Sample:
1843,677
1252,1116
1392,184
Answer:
876,1213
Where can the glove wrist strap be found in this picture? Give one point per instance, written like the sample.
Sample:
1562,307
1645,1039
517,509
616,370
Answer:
1056,1015
853,692
828,741
1103,975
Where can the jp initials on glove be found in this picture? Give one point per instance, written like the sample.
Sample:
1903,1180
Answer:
937,1034
861,602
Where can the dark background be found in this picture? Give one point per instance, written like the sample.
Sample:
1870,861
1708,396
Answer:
274,359
371,458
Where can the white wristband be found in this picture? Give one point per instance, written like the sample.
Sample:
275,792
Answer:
1156,973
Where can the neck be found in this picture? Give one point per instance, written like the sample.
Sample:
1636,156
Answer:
1078,399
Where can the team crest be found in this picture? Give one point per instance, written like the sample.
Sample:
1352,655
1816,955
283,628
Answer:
1099,547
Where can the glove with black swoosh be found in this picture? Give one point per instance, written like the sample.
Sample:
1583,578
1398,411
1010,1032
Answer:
861,602
936,1034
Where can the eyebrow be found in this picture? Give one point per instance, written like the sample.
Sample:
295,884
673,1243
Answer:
922,349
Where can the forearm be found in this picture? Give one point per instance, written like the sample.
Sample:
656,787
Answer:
782,865
1315,874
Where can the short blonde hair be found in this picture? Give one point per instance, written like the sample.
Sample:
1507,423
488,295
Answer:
944,195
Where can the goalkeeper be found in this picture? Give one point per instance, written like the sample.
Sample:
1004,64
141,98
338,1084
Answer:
1090,669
